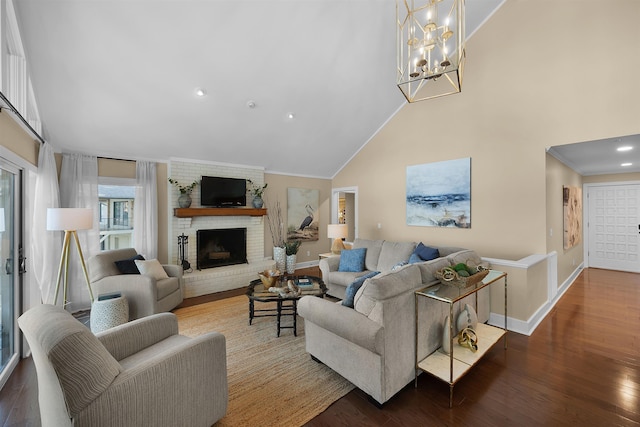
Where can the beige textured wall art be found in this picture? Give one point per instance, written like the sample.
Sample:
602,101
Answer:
572,205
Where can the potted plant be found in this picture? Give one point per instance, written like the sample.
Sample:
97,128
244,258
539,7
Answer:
291,249
184,201
257,191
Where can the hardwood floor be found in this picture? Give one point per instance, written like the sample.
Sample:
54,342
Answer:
580,367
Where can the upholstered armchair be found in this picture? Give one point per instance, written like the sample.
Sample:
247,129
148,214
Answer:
146,294
142,373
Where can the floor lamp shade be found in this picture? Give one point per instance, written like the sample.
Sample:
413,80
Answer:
69,219
337,232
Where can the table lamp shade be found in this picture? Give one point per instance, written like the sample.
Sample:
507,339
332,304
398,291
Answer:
69,219
337,232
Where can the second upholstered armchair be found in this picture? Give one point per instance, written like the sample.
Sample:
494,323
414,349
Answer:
146,294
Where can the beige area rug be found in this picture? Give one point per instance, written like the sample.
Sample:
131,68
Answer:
272,381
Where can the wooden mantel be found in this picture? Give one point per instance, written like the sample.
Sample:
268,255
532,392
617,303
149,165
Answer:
191,212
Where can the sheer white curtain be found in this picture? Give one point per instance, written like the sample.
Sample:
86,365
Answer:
79,189
45,245
145,221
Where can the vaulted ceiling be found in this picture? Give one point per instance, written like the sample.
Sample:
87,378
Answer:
118,78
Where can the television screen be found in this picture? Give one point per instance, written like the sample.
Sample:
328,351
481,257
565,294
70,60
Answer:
223,192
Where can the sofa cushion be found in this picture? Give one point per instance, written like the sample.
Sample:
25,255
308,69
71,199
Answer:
352,260
350,293
344,278
373,252
386,285
393,253
428,269
427,253
128,266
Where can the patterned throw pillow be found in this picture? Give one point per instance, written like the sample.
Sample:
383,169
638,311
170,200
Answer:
352,289
352,260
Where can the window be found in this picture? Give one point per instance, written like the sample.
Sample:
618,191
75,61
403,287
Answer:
116,207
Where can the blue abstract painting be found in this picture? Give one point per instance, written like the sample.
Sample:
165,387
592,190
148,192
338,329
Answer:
439,194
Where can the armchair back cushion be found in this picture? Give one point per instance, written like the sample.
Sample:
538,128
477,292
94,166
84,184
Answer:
103,264
75,360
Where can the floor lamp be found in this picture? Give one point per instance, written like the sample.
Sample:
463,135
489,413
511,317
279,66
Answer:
69,220
337,232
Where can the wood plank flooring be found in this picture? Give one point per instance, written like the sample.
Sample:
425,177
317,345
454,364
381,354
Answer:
580,367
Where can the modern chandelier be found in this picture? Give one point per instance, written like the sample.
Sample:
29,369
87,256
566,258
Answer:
430,47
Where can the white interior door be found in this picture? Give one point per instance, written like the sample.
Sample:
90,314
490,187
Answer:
614,226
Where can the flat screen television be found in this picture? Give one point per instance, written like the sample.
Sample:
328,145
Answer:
223,192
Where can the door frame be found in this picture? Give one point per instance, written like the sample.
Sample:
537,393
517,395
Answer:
27,295
335,205
585,212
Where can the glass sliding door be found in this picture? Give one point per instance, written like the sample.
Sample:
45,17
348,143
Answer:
10,259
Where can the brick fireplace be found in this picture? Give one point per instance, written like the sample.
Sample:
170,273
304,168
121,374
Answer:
219,278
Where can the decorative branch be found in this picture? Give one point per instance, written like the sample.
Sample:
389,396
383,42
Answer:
276,226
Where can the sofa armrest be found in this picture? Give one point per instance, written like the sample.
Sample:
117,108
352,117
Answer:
343,321
193,374
327,265
141,292
173,270
129,338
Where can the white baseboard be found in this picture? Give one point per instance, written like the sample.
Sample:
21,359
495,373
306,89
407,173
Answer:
527,327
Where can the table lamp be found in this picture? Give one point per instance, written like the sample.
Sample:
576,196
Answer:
337,232
69,220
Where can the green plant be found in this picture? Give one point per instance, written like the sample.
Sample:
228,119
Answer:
255,189
184,189
291,247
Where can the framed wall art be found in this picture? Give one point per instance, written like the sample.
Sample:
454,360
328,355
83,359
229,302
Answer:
302,214
439,194
572,216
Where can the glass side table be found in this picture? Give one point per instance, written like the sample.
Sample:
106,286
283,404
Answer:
451,367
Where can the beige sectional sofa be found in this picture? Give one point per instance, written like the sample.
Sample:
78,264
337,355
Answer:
373,344
381,256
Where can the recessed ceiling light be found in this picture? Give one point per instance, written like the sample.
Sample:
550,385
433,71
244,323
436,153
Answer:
200,93
624,148
626,164
251,104
291,116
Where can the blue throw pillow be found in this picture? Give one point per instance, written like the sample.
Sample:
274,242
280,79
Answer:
352,260
414,258
352,289
128,266
426,253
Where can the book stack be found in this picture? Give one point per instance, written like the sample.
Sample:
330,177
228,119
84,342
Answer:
304,283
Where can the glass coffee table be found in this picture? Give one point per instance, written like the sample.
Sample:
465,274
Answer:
285,305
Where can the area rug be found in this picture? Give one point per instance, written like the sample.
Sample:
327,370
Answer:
272,381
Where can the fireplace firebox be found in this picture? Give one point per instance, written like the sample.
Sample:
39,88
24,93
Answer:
220,247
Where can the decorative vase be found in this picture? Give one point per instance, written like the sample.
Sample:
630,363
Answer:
279,256
257,202
291,263
184,201
467,318
446,336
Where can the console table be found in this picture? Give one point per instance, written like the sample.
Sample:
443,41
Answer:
451,367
